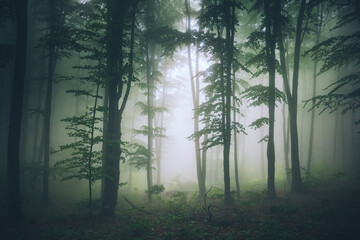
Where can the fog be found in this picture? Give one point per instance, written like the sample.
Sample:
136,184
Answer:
174,109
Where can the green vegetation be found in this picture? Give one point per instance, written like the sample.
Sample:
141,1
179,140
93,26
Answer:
320,213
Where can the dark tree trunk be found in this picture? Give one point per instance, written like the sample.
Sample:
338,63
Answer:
111,166
15,213
270,34
112,144
292,97
296,182
48,100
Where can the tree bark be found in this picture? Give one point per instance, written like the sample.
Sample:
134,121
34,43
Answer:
319,14
195,91
229,41
48,101
110,185
15,212
270,35
296,182
236,168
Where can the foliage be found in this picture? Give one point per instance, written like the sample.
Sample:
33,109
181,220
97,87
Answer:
76,165
259,95
138,155
156,189
177,205
340,53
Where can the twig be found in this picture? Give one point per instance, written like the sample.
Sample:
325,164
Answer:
137,208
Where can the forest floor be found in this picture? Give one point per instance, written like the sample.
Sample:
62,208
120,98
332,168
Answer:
318,213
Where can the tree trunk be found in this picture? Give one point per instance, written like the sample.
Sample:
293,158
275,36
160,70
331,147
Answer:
286,131
296,182
195,90
236,168
48,101
270,53
319,13
110,185
292,97
150,87
229,41
15,213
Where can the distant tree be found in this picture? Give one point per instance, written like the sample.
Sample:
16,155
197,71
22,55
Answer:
318,20
217,18
292,94
56,41
340,52
15,212
195,91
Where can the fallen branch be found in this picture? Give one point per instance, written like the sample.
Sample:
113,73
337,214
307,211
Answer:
137,208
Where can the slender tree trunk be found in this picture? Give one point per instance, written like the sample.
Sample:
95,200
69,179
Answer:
15,213
38,118
319,13
92,143
236,168
48,101
159,139
296,182
262,146
229,42
286,131
292,97
195,90
150,88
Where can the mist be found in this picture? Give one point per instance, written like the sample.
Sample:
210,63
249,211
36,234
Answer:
175,118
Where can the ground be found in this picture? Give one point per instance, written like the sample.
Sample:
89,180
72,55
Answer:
318,213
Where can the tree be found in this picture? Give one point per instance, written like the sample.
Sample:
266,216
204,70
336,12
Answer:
195,91
117,12
84,161
318,30
340,52
216,111
271,29
15,213
56,41
292,96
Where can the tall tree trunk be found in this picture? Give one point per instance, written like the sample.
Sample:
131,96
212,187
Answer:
236,168
319,14
150,87
229,42
286,131
92,142
48,101
159,139
195,90
270,34
36,147
292,97
110,185
15,213
296,182
262,146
